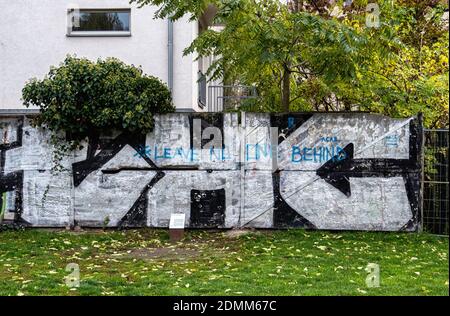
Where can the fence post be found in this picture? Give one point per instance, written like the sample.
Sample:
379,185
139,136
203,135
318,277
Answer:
242,142
422,170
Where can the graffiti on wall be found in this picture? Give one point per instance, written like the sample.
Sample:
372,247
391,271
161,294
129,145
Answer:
317,170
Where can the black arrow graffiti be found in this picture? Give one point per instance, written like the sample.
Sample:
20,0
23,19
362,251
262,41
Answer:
343,166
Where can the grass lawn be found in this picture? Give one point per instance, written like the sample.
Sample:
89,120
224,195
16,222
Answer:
293,262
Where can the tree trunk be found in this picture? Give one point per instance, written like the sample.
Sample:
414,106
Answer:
295,9
286,89
297,5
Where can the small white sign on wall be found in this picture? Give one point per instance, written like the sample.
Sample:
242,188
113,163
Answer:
177,221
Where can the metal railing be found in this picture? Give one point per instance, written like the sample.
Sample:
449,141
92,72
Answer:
221,98
435,182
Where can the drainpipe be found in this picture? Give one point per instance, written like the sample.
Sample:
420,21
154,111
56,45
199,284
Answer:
170,54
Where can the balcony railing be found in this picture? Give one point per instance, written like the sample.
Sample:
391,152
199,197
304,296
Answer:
226,97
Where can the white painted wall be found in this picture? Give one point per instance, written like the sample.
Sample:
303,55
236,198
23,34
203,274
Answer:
33,38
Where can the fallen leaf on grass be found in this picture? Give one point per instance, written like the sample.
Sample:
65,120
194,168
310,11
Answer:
361,291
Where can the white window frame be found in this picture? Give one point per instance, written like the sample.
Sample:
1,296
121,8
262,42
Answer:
71,33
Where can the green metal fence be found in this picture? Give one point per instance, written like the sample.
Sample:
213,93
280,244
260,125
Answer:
435,182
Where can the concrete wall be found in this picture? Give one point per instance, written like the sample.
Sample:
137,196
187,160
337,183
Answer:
33,38
323,171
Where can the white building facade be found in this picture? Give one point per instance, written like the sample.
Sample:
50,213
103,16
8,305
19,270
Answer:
37,34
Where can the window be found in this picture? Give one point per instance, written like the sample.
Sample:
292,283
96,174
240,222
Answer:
201,89
99,22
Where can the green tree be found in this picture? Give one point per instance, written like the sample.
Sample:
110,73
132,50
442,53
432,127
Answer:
322,55
82,98
266,44
415,76
407,69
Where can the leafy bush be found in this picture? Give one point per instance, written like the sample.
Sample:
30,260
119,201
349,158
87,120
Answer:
81,98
